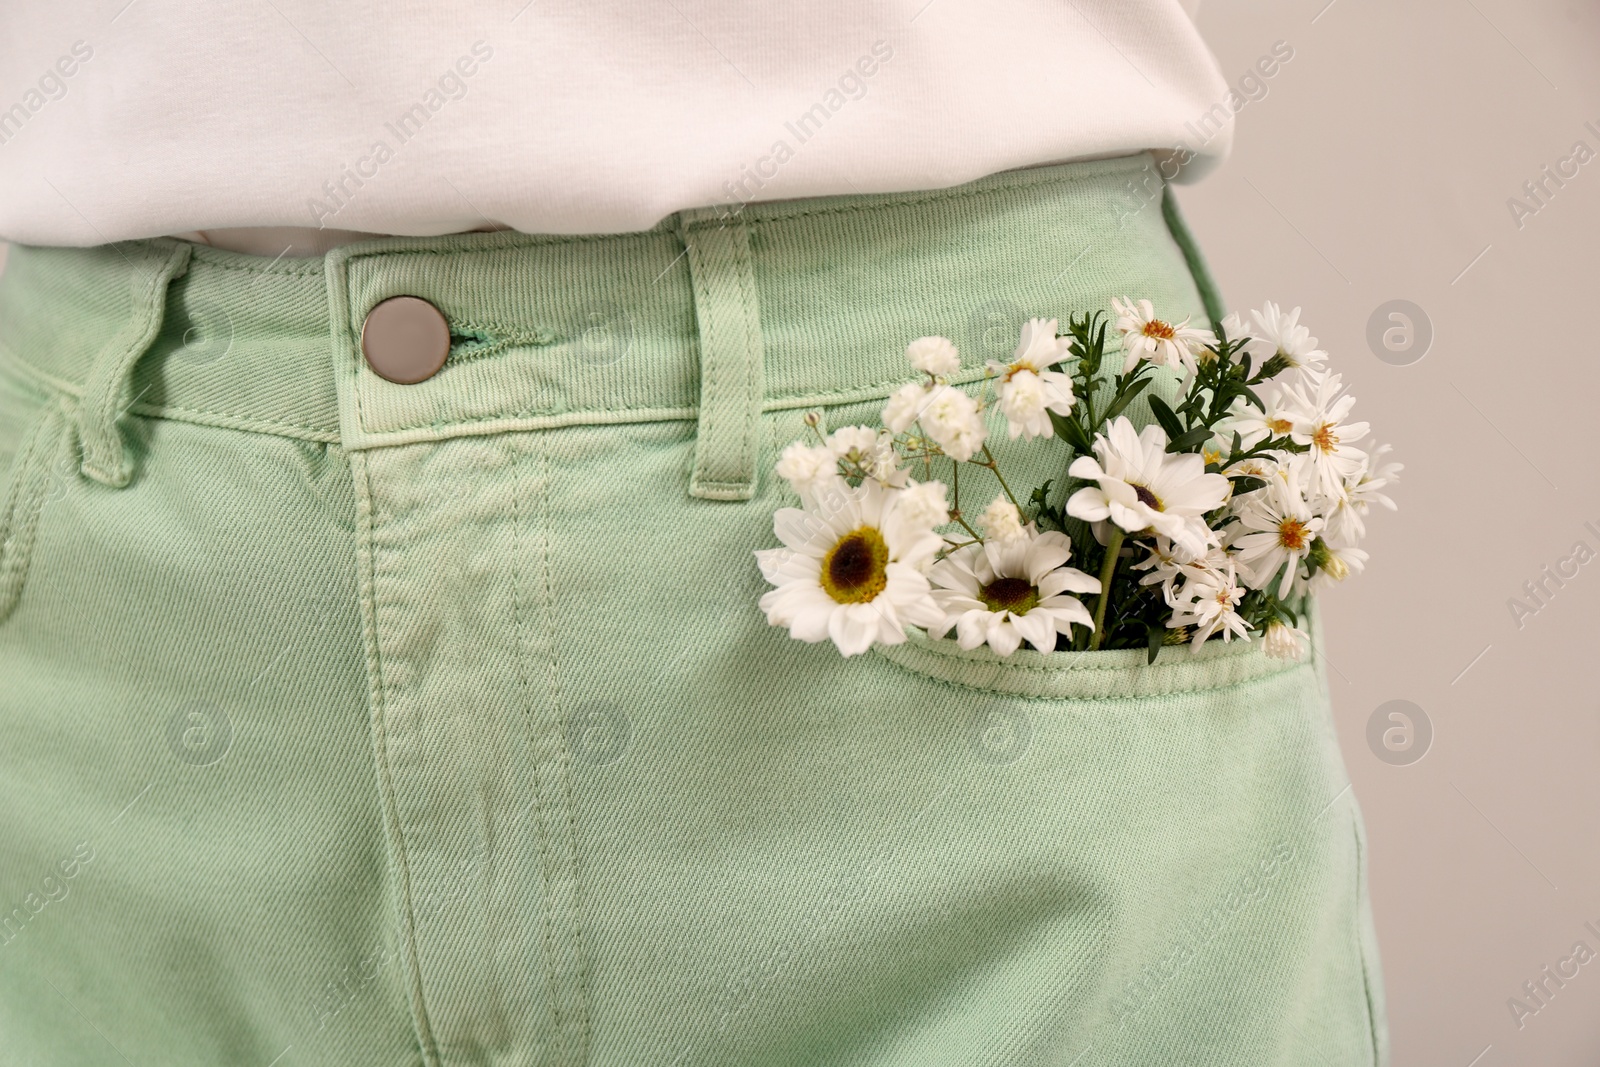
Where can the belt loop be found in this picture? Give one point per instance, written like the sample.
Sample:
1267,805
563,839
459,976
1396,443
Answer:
152,265
727,447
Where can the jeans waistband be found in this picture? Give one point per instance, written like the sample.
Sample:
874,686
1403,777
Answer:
711,314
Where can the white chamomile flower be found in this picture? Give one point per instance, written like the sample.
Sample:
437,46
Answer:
851,573
1001,593
1291,342
953,421
1320,408
1253,424
1276,529
1163,343
1207,603
1001,521
812,471
1283,641
1028,389
1140,486
934,355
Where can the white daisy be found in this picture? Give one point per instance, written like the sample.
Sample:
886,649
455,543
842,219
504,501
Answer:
852,573
1319,410
1276,527
1207,603
934,355
1004,592
1163,343
1283,641
1028,389
1140,486
1291,342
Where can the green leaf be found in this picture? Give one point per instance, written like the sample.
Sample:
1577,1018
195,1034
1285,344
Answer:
1185,442
1070,432
1155,636
1245,484
1169,422
1127,397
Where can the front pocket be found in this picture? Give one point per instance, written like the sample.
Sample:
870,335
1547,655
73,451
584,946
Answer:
1099,675
37,472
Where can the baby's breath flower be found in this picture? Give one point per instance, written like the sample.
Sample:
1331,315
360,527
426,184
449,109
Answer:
1001,521
923,504
934,355
810,470
952,419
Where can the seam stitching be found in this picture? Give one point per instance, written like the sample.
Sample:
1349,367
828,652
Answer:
585,1035
523,680
367,514
1083,698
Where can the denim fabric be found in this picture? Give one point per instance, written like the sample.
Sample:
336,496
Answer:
348,722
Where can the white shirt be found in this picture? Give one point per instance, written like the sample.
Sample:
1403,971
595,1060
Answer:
562,116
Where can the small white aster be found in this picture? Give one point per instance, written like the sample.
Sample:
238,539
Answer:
1283,641
1320,408
1289,340
1144,336
1028,388
1207,602
1276,529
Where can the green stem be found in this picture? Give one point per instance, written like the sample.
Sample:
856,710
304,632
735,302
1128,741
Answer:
1107,569
995,468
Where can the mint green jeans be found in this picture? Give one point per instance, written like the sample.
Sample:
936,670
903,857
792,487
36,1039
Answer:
350,722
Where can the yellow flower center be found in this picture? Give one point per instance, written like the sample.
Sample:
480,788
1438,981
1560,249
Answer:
1016,595
1325,438
1159,330
1292,534
855,569
1279,427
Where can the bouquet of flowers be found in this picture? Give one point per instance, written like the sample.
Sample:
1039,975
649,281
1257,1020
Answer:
1217,520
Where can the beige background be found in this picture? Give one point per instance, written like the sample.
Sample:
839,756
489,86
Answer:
1378,167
